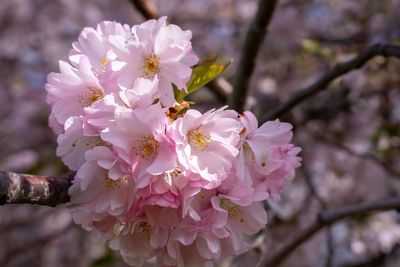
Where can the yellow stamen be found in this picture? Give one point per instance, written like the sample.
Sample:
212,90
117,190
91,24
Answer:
170,175
150,66
90,142
96,141
91,95
147,148
198,139
143,228
232,209
104,61
113,184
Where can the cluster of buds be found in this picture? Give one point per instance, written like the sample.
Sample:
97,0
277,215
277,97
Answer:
155,178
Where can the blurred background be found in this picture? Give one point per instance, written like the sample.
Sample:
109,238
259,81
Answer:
350,134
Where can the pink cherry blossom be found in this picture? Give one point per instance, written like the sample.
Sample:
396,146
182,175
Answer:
102,184
139,137
266,151
73,89
101,114
156,49
94,43
140,240
246,216
184,188
143,93
72,144
207,143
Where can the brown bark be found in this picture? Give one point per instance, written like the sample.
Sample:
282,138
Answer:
34,189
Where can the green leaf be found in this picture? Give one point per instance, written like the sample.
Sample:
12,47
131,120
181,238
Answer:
178,94
202,74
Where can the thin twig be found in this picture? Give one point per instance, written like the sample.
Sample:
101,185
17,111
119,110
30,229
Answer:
324,219
366,156
329,236
337,71
311,186
330,248
253,41
33,189
147,8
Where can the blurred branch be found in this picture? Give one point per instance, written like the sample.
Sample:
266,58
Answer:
330,248
338,70
252,43
33,189
366,156
311,186
375,260
147,8
325,218
13,253
329,235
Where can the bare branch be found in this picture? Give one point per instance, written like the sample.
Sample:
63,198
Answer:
147,8
325,218
311,186
392,171
253,41
337,71
33,189
329,237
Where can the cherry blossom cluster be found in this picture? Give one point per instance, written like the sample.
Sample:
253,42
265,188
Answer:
185,188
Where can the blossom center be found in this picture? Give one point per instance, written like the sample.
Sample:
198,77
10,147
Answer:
171,175
103,65
151,66
148,147
232,209
143,228
199,139
113,184
90,142
104,61
91,95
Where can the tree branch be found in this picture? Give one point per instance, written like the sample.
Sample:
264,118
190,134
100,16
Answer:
337,71
33,189
330,249
325,218
254,38
147,8
393,172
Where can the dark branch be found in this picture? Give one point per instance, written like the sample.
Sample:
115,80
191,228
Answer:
329,237
147,8
33,189
324,219
389,169
253,41
337,71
